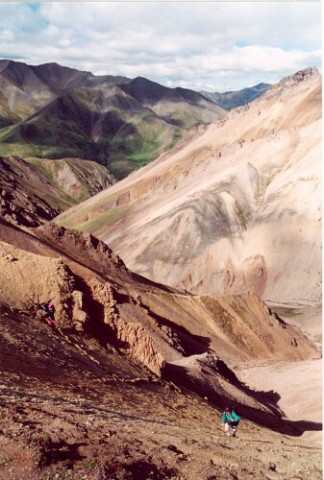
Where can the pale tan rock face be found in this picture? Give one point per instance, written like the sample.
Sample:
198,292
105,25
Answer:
235,210
28,279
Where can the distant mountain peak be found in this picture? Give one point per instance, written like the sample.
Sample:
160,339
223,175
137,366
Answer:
236,98
300,76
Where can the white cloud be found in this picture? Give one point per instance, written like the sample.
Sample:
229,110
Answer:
197,45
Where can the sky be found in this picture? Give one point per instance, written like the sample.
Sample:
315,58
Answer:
215,46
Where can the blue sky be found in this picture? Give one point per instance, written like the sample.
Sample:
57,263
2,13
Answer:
213,46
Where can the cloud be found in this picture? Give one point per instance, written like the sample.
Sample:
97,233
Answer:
199,45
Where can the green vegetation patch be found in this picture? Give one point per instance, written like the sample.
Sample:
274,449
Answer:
148,150
27,150
101,220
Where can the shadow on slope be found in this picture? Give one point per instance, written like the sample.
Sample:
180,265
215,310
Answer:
271,417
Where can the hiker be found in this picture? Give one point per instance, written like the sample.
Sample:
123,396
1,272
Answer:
49,310
231,420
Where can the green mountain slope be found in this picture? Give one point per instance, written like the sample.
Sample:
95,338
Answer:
54,112
112,129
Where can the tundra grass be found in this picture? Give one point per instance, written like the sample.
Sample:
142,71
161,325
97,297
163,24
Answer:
95,224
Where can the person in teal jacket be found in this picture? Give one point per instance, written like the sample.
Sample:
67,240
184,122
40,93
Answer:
231,419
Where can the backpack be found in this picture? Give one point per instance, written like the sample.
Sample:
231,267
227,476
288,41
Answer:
235,416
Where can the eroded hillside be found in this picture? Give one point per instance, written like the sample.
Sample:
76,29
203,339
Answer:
239,204
64,414
130,381
36,191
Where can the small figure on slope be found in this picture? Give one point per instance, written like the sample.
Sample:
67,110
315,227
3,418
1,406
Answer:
231,420
49,313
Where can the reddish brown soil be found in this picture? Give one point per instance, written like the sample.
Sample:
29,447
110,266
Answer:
65,417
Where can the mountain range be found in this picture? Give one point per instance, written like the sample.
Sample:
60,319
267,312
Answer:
66,123
54,112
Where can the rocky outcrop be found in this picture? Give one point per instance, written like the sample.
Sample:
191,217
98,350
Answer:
83,248
298,77
94,293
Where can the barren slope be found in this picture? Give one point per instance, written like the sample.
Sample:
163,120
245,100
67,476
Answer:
239,204
26,195
234,326
79,397
65,416
36,191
